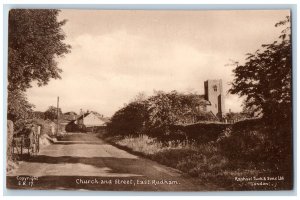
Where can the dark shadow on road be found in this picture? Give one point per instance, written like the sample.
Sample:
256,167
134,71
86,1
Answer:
79,137
78,142
117,165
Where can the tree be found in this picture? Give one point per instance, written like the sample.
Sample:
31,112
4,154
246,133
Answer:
18,108
155,115
35,41
130,120
166,109
51,113
265,78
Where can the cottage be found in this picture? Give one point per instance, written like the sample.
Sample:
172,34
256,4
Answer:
90,121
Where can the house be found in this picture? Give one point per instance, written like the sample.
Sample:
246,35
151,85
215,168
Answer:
88,122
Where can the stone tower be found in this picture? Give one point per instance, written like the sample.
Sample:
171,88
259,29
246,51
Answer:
214,94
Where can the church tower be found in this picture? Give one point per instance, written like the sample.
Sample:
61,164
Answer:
214,94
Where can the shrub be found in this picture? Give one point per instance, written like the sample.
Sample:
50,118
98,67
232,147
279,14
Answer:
142,143
172,156
128,120
201,132
10,133
253,141
156,115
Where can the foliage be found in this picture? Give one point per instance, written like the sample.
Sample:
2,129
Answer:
208,161
167,109
265,78
250,112
51,113
202,132
35,41
37,115
238,116
254,141
129,120
141,143
9,141
156,114
46,126
18,108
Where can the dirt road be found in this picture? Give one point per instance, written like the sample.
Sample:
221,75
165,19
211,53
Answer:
96,165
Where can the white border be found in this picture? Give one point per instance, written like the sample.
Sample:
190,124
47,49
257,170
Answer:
174,2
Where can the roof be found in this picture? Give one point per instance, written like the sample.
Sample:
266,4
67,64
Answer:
101,117
82,116
105,119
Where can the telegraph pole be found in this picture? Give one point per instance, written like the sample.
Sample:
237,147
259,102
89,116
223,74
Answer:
57,110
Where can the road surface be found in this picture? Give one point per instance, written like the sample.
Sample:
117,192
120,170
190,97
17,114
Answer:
96,165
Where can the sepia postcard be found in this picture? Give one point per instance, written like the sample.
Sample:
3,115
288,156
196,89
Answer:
149,100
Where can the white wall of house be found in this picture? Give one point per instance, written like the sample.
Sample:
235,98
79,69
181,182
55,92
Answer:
93,120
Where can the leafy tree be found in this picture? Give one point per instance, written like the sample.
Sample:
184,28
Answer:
18,108
130,120
37,115
51,113
35,41
173,108
156,114
265,78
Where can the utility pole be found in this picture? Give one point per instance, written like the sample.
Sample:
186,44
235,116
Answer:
80,123
57,126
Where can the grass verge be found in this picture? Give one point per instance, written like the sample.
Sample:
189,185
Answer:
205,162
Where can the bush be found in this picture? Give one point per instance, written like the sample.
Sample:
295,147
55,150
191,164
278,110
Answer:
156,115
239,152
142,143
173,156
46,126
202,132
129,120
10,133
254,141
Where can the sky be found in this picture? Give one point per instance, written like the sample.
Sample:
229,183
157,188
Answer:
118,54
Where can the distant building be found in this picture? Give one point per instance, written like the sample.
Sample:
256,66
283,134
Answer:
90,121
213,92
211,104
